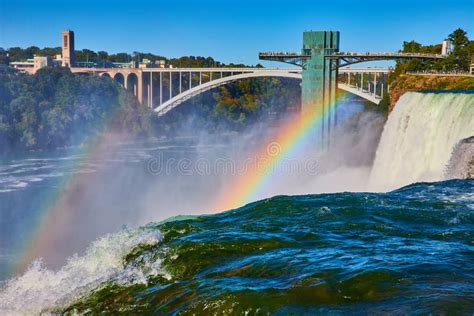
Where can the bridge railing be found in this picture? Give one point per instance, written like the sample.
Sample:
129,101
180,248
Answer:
219,70
440,73
387,54
286,54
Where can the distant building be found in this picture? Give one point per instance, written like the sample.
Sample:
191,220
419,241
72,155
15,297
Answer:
161,64
123,65
145,63
31,66
446,47
471,68
24,66
68,58
41,62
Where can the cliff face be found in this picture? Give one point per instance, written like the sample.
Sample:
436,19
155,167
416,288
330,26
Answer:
405,83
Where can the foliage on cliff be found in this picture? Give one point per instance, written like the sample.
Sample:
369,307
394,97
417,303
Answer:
254,98
405,83
234,107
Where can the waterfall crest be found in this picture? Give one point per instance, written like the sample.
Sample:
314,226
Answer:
419,137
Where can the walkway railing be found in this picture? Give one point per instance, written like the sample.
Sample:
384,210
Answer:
440,73
387,54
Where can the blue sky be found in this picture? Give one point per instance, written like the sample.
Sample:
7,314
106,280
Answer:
230,31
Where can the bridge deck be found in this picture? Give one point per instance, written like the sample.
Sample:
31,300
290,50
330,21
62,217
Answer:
345,58
397,55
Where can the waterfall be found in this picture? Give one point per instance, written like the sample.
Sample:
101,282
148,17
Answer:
419,137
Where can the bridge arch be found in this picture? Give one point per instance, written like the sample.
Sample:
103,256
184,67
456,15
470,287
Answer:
120,79
180,98
132,83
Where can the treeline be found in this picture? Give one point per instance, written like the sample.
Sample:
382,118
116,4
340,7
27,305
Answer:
55,108
102,58
458,61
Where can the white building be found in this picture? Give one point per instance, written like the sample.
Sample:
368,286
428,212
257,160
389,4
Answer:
446,48
31,66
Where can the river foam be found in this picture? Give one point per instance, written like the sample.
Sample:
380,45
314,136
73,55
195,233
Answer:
41,290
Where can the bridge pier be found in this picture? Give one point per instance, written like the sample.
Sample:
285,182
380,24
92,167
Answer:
170,83
375,84
161,88
150,104
318,91
139,89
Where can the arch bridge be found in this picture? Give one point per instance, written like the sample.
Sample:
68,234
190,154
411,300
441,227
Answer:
162,89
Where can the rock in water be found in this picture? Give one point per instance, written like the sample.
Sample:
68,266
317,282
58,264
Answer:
461,164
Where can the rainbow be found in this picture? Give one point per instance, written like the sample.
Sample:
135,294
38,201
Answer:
289,139
57,212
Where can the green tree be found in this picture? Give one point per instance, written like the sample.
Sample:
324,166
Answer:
120,58
458,38
102,56
459,59
411,47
